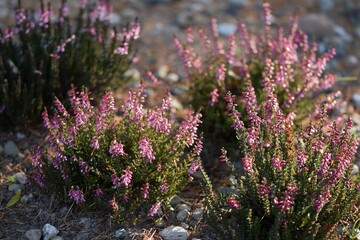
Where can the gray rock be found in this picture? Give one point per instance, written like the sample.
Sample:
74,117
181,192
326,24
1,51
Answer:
226,29
114,19
352,60
180,90
11,149
225,190
15,187
172,78
33,234
197,214
20,177
176,200
356,99
26,198
357,31
133,74
342,33
326,5
317,25
182,215
121,233
162,71
238,3
174,233
86,222
20,135
49,231
57,238
183,206
355,170
176,104
184,225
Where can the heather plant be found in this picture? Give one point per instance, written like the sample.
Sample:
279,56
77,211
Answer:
291,184
132,163
44,53
214,69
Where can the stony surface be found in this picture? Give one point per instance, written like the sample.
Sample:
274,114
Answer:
11,149
49,231
33,234
174,233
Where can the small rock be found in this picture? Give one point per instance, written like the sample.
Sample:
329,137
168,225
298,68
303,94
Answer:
114,19
172,78
318,25
182,215
33,234
238,3
176,104
176,200
57,238
197,214
15,187
133,74
174,233
352,60
226,29
162,71
121,233
226,190
26,198
356,99
342,33
49,231
184,225
11,149
178,90
20,135
355,170
20,177
86,222
181,207
325,5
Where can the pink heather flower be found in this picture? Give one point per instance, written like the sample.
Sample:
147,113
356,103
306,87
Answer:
166,102
84,167
60,107
145,190
164,187
320,200
287,199
113,204
133,107
263,189
188,128
277,163
107,104
122,50
237,124
135,30
247,165
154,209
116,149
146,150
220,74
301,161
157,119
230,56
77,196
98,192
95,142
233,203
115,180
152,77
126,177
193,168
214,97
324,165
198,147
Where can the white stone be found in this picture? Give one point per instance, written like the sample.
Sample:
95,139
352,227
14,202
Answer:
174,233
355,170
341,32
20,177
11,149
121,233
114,19
172,78
33,234
162,71
356,99
226,29
182,215
176,104
57,238
49,231
26,198
133,74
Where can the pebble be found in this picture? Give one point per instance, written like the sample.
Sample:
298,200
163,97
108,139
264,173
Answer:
176,200
162,71
318,25
121,233
238,3
33,234
114,19
49,231
182,215
11,149
178,90
184,225
20,135
356,99
355,170
15,187
226,190
197,214
57,238
133,74
326,5
172,78
86,222
181,207
20,177
26,198
226,29
176,104
342,33
174,233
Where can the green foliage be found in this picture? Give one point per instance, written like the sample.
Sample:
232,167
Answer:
41,57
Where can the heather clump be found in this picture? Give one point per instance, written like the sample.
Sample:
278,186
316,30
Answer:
46,52
291,184
132,163
215,67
